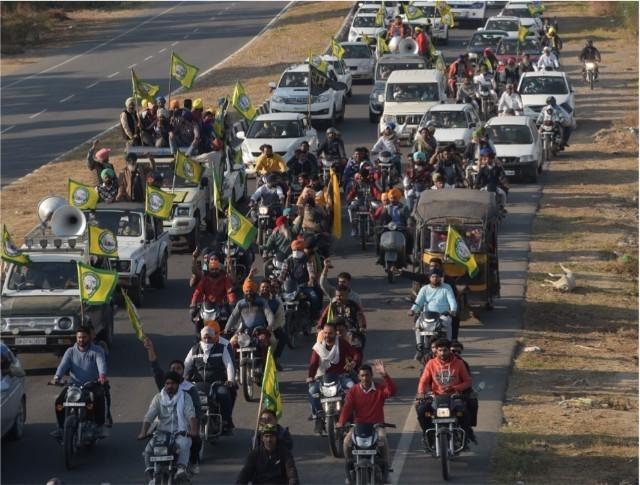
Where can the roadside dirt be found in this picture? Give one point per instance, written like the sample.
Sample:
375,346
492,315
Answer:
571,411
278,47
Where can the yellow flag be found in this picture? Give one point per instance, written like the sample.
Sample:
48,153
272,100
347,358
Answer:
10,252
459,252
270,391
336,49
239,228
158,203
188,169
102,242
336,223
318,62
522,33
242,103
96,285
134,318
183,72
143,90
82,196
381,46
379,20
446,15
366,39
216,190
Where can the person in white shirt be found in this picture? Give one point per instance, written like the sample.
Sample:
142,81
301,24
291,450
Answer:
547,61
510,100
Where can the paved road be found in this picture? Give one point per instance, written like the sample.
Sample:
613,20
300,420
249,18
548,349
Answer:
488,341
65,99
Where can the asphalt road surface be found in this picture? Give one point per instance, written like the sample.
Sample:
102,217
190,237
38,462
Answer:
54,105
488,340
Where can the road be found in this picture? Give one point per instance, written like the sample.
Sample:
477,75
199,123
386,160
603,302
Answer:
54,105
488,340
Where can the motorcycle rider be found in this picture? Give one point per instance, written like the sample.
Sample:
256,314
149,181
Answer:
484,79
554,41
489,60
269,290
175,413
353,166
510,100
269,162
252,312
491,177
559,115
469,395
467,93
365,402
308,156
511,71
458,68
417,179
425,141
209,365
268,417
360,191
525,64
269,195
389,142
547,61
589,53
301,269
343,279
334,357
333,149
399,214
437,297
448,164
445,375
341,305
299,164
279,241
86,364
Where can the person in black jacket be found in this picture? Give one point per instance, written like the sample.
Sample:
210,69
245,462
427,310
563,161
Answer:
270,463
269,418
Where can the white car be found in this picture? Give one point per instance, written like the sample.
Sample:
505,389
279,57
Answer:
364,23
510,25
373,8
535,87
518,146
291,95
359,59
432,22
454,123
521,11
408,95
342,71
468,11
283,131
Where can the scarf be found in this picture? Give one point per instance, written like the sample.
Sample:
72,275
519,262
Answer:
327,357
176,401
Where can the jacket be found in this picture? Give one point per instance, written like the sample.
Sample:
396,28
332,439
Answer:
251,315
213,289
350,311
346,351
129,192
438,375
264,467
217,365
274,163
367,406
128,124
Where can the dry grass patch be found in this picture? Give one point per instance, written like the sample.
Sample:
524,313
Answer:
283,44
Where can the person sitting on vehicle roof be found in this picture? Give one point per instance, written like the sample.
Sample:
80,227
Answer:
185,132
132,180
269,162
130,123
397,29
161,129
108,189
424,43
98,161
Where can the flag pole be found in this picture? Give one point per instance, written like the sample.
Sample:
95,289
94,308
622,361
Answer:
309,96
170,76
255,433
135,97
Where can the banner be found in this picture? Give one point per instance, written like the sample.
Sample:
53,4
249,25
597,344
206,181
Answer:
336,222
96,285
158,203
82,196
270,392
143,90
188,169
241,102
134,318
446,15
183,72
336,49
459,252
10,252
240,229
102,242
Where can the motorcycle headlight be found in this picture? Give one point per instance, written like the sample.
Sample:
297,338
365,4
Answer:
74,394
277,99
263,210
160,450
329,391
244,340
364,441
65,323
443,412
393,226
182,211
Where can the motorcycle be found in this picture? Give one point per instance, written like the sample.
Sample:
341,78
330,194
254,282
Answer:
431,326
252,349
551,139
211,422
392,245
272,267
364,221
590,72
297,312
412,191
80,428
237,261
388,175
487,103
164,456
327,165
332,398
265,221
212,310
446,438
367,462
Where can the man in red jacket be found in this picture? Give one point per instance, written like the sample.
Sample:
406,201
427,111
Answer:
366,402
444,375
214,286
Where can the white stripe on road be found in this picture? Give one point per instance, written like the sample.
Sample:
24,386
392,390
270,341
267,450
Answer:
175,43
132,66
37,114
147,58
195,30
92,85
162,50
64,100
7,129
113,74
404,444
93,48
186,37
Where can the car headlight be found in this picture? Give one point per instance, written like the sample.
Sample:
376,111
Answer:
443,412
526,158
123,265
160,450
65,323
182,211
277,99
4,324
323,98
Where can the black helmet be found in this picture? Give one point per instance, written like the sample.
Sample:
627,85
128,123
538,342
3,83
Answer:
551,100
272,178
589,43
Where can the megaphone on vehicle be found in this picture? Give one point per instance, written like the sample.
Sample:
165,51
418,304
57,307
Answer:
68,221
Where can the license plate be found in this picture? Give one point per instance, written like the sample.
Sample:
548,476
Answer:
331,399
247,349
160,458
444,420
365,452
510,172
74,405
425,333
31,341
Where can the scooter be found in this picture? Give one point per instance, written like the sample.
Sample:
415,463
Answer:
392,246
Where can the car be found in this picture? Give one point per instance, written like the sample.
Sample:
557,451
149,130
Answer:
143,245
432,22
521,11
384,67
408,95
360,60
535,87
454,123
510,25
13,408
480,40
342,72
508,47
283,131
468,11
373,8
518,146
291,95
364,23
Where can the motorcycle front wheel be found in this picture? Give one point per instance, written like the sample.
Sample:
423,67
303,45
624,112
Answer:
335,440
444,455
69,441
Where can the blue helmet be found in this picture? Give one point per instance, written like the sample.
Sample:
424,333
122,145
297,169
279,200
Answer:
419,157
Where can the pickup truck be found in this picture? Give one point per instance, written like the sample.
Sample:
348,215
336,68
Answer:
143,246
40,304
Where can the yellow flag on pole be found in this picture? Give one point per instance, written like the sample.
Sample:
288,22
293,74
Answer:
188,169
336,222
185,73
241,102
158,203
10,252
270,391
459,252
134,318
96,285
102,242
82,196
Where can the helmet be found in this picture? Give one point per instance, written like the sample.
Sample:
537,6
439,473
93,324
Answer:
197,104
331,131
461,57
551,31
431,126
487,51
419,157
511,61
161,99
551,100
546,49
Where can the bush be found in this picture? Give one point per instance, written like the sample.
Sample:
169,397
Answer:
625,12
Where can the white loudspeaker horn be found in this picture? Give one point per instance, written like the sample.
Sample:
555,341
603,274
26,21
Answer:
68,221
48,205
408,46
393,43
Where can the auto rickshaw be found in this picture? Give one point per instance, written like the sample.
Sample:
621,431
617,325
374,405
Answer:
474,215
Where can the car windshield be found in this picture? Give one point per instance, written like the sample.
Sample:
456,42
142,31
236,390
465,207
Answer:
447,119
58,275
166,172
506,25
485,40
384,70
403,93
275,129
362,21
360,51
522,13
543,85
121,223
510,135
294,80
509,46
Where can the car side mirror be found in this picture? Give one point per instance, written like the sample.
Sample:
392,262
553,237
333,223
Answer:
480,29
17,371
240,135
